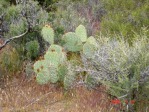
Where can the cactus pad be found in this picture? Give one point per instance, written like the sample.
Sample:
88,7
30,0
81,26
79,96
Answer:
45,73
72,42
55,55
48,34
92,40
41,70
81,32
90,47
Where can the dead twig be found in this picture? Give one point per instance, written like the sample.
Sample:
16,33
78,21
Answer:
12,38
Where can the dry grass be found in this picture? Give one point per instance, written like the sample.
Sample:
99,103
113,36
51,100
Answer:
27,96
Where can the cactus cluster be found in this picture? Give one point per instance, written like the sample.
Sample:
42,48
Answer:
51,68
54,66
72,42
78,41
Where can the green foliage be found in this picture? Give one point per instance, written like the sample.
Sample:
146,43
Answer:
48,34
65,16
71,13
53,74
125,17
18,18
90,81
13,12
15,19
45,72
59,31
123,69
9,61
32,48
3,4
16,28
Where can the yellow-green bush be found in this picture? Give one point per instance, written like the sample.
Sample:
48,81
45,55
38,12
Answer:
9,61
124,17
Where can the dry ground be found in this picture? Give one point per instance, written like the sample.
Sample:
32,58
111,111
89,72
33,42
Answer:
21,95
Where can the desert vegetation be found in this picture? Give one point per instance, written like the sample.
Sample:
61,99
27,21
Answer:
74,56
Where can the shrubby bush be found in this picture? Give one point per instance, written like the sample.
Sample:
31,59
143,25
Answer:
122,68
70,14
18,18
123,18
32,48
9,62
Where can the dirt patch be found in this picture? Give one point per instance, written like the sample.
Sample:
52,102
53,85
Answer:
27,96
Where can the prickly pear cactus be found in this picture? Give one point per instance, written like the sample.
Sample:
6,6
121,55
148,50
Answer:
55,55
90,47
55,67
92,40
72,42
42,72
81,32
48,69
61,52
45,73
38,66
48,34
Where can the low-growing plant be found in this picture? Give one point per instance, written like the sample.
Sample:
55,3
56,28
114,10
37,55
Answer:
71,13
32,48
20,19
122,68
123,18
9,62
56,66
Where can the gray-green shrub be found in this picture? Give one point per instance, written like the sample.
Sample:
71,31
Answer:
123,69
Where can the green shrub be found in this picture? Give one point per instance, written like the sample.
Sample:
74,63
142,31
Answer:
123,18
19,18
71,13
123,69
9,61
32,48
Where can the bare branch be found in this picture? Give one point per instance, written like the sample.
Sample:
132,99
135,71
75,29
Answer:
12,38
